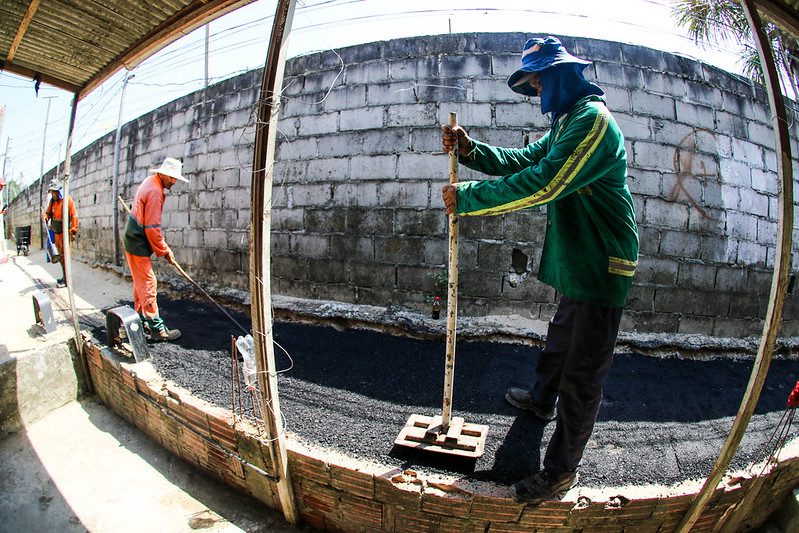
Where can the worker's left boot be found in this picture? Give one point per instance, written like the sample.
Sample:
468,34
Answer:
544,485
158,331
523,399
62,281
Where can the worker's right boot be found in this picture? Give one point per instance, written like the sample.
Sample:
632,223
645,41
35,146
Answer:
158,331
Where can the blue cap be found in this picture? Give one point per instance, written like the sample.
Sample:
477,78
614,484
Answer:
540,54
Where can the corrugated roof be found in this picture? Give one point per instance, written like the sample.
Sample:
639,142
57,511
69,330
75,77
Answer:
78,44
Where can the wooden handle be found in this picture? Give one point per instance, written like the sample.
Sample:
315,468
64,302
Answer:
452,292
121,201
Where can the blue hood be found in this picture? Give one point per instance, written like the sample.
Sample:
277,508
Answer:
562,86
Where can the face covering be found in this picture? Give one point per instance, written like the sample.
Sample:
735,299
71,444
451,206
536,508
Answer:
562,86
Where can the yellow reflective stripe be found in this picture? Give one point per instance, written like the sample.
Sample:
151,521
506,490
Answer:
568,171
622,267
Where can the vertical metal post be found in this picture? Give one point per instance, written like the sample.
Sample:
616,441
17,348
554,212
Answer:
779,279
4,202
65,228
115,179
260,227
452,292
41,172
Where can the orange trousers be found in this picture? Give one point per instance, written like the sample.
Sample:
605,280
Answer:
145,286
59,244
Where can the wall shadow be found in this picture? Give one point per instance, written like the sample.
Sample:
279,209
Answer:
30,499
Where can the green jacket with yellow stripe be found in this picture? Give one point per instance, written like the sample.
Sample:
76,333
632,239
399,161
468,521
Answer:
579,169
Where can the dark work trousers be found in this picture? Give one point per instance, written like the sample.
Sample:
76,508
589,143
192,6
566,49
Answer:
572,370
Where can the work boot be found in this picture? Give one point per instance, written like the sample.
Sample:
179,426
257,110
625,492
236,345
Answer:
522,399
158,331
60,282
544,485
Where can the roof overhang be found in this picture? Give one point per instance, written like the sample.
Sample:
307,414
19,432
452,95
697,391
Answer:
78,44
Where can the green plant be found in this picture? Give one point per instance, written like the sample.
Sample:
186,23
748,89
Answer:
440,279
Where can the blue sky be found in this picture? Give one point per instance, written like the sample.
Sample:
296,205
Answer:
238,42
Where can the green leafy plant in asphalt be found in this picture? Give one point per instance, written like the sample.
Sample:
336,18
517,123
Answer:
440,279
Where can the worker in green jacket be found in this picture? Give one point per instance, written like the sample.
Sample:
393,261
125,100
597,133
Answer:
578,169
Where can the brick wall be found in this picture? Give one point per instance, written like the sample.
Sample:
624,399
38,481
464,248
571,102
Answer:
337,493
356,210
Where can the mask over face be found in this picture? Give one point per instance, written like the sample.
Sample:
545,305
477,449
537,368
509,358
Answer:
562,86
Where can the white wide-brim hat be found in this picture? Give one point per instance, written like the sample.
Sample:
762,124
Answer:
170,167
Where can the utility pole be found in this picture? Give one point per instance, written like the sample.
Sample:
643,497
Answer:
5,157
207,40
41,171
115,180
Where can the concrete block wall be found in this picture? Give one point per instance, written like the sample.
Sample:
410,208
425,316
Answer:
356,212
337,493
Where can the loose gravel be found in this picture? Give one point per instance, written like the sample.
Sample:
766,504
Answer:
662,421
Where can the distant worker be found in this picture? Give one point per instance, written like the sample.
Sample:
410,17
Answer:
2,206
53,216
143,237
578,169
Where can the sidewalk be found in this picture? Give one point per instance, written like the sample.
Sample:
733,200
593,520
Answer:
75,465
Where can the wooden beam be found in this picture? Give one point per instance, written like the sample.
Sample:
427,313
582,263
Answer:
779,279
781,15
32,74
186,20
23,27
260,232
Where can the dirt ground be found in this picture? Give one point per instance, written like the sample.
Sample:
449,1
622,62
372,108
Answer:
662,421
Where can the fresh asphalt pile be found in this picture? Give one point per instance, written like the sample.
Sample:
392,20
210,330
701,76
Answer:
662,421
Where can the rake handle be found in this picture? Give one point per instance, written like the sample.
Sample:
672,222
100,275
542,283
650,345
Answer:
452,291
188,278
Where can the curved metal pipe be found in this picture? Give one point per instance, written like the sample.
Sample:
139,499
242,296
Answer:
260,232
779,280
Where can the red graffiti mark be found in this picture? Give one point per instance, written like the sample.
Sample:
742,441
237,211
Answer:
683,168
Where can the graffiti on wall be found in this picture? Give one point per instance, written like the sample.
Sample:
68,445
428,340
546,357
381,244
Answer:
683,165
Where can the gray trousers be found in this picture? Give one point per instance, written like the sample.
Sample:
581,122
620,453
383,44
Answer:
572,369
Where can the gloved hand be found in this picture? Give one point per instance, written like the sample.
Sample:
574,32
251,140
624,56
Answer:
450,135
450,196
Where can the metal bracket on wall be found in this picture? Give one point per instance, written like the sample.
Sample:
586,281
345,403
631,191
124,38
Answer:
43,312
125,319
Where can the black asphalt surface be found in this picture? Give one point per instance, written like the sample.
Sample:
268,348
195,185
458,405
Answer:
662,421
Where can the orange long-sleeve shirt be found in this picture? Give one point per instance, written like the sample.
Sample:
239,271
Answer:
55,214
143,234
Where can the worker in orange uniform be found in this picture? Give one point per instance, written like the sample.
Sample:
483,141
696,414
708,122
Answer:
2,207
143,237
53,216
